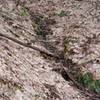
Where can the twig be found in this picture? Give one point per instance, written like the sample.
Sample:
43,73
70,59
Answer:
45,51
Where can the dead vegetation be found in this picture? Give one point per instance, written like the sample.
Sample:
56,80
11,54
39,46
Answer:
68,31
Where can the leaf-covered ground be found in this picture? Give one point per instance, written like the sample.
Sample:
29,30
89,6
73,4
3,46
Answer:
68,26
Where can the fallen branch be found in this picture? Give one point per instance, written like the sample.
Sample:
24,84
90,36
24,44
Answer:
45,51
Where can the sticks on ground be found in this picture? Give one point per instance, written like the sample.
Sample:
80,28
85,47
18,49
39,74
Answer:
29,46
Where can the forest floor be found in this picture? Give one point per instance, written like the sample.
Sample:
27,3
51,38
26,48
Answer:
71,27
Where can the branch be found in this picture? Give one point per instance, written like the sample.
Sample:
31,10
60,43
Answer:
45,51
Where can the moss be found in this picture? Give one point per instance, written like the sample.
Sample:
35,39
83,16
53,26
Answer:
23,12
88,82
64,13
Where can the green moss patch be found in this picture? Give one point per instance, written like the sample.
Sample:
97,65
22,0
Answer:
88,82
23,12
64,13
